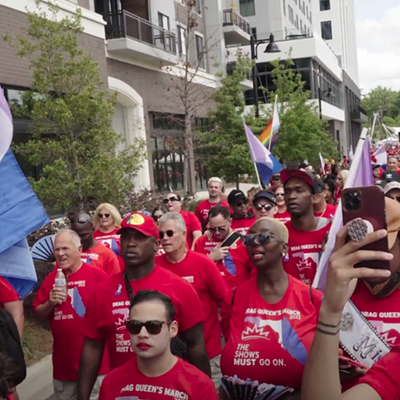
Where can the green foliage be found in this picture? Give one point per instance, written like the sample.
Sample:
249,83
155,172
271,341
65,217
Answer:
302,133
72,140
226,146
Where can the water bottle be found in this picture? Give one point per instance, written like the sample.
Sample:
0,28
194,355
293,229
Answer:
61,282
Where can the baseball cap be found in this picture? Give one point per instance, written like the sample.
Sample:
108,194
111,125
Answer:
235,196
375,166
392,220
265,194
306,177
142,223
390,186
391,176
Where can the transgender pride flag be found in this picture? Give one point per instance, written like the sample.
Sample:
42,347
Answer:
20,212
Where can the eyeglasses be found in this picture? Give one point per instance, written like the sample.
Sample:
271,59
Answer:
104,215
276,178
267,207
152,327
166,201
242,203
156,217
169,233
214,229
262,238
279,194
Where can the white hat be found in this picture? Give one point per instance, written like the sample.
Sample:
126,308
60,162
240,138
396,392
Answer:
390,186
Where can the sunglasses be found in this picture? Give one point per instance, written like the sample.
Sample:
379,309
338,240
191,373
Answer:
157,217
267,207
215,229
261,238
169,233
241,203
171,199
276,178
103,215
279,194
152,327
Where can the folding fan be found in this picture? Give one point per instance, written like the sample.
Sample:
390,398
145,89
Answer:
43,249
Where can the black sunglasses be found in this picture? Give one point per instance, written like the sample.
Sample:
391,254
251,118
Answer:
166,201
276,178
157,217
279,194
267,207
242,203
152,327
103,215
213,229
262,238
169,233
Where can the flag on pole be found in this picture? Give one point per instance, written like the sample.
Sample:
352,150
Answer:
322,161
381,155
20,213
360,174
263,160
269,136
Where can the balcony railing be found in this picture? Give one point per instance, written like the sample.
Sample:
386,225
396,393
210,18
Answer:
231,17
123,24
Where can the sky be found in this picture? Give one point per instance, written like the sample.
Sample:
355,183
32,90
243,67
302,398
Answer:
378,42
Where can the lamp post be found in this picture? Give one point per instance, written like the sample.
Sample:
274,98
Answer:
271,48
321,93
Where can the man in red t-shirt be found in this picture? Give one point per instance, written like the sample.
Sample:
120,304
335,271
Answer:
321,207
155,374
205,277
306,232
93,253
233,262
242,219
108,309
214,191
65,312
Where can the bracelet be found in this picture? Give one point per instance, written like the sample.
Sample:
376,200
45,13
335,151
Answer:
324,332
327,325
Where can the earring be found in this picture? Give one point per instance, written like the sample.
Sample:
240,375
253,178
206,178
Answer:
285,257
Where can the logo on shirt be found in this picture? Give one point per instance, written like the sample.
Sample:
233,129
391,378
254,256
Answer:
308,261
119,290
120,324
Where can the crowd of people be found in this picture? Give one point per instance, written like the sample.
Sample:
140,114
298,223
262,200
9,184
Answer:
170,305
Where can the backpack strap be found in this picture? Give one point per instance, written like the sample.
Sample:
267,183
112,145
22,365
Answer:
233,296
128,286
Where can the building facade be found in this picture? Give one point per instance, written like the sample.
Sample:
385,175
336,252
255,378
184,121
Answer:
141,47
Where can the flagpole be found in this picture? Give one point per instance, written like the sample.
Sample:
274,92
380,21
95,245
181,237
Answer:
272,127
258,175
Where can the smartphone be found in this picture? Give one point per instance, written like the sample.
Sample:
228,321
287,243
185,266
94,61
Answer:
367,203
231,239
352,362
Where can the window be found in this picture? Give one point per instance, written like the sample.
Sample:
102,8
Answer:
301,26
297,21
247,8
284,8
326,30
254,33
200,51
181,40
291,18
163,21
198,7
324,5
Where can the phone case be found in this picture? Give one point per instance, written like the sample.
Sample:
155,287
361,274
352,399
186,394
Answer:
372,209
231,239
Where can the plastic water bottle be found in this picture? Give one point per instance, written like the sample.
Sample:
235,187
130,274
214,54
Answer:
61,282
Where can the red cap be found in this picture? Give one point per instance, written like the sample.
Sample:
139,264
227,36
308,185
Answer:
306,177
141,223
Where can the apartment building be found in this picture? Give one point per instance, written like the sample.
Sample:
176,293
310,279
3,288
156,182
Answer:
140,46
333,88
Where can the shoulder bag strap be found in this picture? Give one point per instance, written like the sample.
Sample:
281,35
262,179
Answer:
128,286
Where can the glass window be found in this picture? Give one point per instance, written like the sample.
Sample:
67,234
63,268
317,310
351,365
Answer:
324,5
163,21
198,7
200,51
182,40
247,8
291,15
284,8
326,30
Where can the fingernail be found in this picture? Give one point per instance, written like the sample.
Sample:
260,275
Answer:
386,273
382,233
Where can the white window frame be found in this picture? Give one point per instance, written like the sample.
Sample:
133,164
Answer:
200,13
180,26
204,56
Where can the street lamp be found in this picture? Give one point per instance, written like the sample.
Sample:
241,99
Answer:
271,48
321,93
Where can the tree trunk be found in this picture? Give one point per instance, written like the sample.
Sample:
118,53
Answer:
237,182
191,170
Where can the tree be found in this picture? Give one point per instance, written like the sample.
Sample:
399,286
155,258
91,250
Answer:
384,101
226,145
72,140
302,133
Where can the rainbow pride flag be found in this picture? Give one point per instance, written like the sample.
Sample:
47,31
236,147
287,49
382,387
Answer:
269,136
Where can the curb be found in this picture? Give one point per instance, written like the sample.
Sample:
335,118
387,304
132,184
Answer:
38,384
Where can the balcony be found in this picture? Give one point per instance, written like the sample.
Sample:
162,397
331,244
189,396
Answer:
236,29
358,114
134,37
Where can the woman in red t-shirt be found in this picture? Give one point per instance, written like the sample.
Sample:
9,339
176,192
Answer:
282,214
269,321
340,182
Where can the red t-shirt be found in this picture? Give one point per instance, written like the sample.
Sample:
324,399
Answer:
304,252
384,376
203,208
283,217
102,257
66,321
108,309
243,225
205,277
329,212
7,293
269,342
192,224
235,268
113,242
182,381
